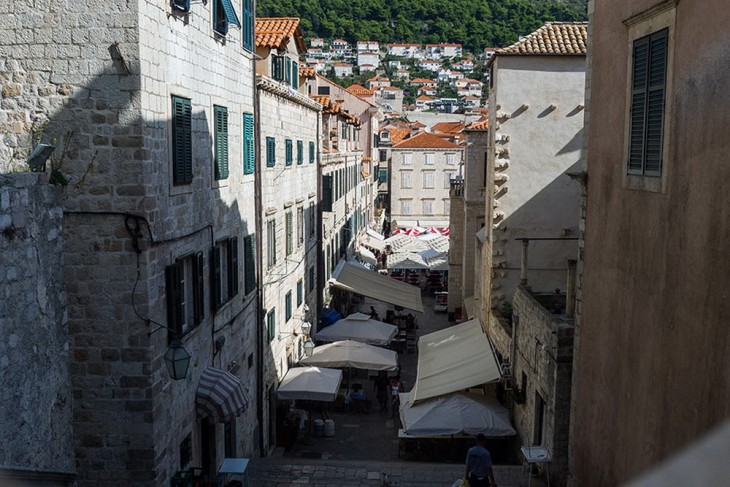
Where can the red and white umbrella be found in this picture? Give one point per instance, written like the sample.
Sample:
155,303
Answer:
445,231
434,230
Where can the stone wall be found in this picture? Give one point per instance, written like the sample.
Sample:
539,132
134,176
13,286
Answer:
456,250
36,401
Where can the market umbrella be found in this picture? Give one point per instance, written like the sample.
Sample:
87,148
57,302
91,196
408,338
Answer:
310,383
454,414
361,328
349,353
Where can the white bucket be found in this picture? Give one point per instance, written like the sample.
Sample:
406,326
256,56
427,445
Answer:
329,428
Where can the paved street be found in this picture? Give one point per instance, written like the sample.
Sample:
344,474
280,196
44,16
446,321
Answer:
364,449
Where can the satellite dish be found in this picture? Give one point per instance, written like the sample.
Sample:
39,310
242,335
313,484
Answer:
38,157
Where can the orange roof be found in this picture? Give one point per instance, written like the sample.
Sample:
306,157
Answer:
448,127
275,32
481,124
417,124
359,90
421,80
426,141
335,108
561,38
397,134
424,98
306,72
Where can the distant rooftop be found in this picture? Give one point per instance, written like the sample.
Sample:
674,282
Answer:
555,38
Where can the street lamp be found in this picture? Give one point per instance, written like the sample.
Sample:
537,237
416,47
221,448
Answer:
177,360
308,347
306,328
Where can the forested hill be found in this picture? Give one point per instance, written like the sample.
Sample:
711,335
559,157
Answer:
475,24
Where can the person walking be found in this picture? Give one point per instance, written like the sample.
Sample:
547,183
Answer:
381,390
479,465
396,387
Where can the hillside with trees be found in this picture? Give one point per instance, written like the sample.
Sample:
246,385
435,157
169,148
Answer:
475,24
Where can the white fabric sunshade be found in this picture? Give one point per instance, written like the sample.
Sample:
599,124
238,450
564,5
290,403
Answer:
455,414
349,353
367,256
374,234
452,359
406,260
353,328
373,242
310,383
374,285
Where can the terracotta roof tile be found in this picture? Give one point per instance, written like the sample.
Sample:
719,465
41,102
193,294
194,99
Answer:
359,90
275,32
448,127
482,124
426,141
562,38
398,135
306,72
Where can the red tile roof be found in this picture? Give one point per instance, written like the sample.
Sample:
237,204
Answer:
449,128
306,72
276,32
426,141
556,38
482,124
397,134
359,90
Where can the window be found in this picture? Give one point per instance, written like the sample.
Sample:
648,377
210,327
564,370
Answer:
224,272
407,158
289,236
223,15
405,179
649,75
312,219
184,294
311,152
450,159
271,324
448,176
323,90
182,145
287,307
229,438
300,152
428,180
270,152
428,207
383,155
271,242
287,70
300,292
447,206
405,207
277,67
249,263
295,75
289,152
383,175
343,125
248,22
429,158
249,157
221,141
327,192
300,226
311,279
183,5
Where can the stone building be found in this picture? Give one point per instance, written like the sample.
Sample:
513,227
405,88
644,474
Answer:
288,130
150,107
651,368
422,168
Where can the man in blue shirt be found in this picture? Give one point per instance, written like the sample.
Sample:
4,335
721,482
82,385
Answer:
479,465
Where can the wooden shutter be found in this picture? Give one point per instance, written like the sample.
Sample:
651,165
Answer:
270,152
289,152
300,152
289,236
287,310
287,70
221,142
174,291
182,150
230,13
278,67
300,292
249,256
248,16
327,192
215,278
295,75
311,152
182,4
232,266
249,157
198,291
271,324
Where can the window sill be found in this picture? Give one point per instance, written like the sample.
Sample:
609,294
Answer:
650,184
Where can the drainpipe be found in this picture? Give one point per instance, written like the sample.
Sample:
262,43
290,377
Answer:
570,292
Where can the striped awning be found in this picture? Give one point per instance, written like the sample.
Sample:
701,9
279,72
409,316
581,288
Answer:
220,396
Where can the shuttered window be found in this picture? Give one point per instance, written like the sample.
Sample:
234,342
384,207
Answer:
271,242
300,152
289,234
184,283
311,152
300,292
327,192
300,226
270,152
220,117
271,324
287,307
289,152
223,15
287,70
277,67
224,272
249,262
249,157
295,75
248,22
182,141
647,104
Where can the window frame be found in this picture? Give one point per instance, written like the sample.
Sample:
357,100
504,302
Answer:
289,152
271,324
182,129
300,152
404,204
406,182
271,243
288,219
247,27
428,179
223,14
311,152
220,142
224,282
176,294
249,144
249,264
288,309
270,151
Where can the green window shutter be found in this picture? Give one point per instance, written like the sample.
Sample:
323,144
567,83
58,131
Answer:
327,192
289,152
221,142
229,12
249,255
181,4
199,291
311,279
289,234
311,152
300,152
232,267
248,22
287,70
295,75
271,324
277,67
182,151
300,292
215,278
270,152
249,157
287,302
174,291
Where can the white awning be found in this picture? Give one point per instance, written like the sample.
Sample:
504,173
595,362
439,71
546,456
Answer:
374,285
453,359
373,242
433,223
406,260
374,234
367,256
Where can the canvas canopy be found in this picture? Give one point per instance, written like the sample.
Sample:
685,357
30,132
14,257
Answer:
373,242
374,285
361,330
367,256
453,359
406,260
349,353
455,414
310,383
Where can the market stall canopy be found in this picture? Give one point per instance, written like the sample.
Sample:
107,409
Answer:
372,233
310,383
373,243
349,353
455,414
453,359
367,256
353,328
406,260
220,396
374,285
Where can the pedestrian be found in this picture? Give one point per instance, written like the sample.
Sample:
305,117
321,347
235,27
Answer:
373,313
381,390
396,387
479,465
